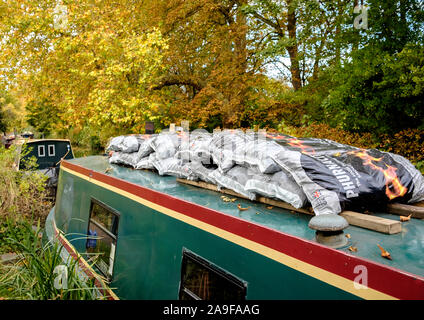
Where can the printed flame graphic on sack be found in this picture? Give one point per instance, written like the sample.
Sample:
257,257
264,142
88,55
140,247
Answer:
394,187
300,144
294,142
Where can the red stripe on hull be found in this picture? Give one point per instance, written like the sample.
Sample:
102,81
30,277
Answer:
391,281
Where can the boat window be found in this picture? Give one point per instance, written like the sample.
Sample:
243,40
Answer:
201,280
102,235
41,151
51,150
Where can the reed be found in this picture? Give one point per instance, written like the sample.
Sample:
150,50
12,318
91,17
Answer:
33,275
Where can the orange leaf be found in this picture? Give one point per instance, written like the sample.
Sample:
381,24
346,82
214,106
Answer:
384,253
242,209
403,218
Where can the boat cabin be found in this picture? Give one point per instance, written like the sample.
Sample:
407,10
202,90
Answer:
48,152
154,237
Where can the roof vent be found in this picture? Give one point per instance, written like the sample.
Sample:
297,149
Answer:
329,230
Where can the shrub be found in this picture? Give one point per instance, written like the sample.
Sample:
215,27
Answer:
378,92
408,143
324,131
22,193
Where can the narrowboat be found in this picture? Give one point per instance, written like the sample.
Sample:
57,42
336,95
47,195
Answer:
48,154
162,239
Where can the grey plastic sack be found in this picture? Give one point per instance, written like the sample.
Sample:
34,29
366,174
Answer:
248,149
171,166
126,144
287,190
223,146
145,163
122,158
279,185
197,148
235,179
256,152
201,172
165,145
144,142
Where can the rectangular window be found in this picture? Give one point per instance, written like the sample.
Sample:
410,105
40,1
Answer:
201,280
102,236
41,151
51,150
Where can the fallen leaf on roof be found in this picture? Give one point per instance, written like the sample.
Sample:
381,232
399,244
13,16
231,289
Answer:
347,235
270,207
226,199
353,249
384,253
403,218
242,209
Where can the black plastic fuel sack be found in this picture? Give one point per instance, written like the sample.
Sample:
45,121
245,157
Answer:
336,177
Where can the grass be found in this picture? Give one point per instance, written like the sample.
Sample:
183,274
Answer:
33,276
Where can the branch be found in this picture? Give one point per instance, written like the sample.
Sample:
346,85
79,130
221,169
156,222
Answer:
276,26
171,80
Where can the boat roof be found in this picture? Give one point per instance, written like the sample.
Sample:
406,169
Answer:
23,140
406,247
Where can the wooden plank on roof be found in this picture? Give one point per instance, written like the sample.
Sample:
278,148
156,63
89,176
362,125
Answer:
416,211
372,222
419,204
284,205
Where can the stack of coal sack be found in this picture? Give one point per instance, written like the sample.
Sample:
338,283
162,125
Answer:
329,176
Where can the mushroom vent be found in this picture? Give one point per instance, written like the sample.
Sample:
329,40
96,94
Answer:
329,230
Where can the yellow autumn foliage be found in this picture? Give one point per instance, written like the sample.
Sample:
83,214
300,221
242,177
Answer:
95,67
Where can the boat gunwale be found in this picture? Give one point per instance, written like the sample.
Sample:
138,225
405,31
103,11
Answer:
83,264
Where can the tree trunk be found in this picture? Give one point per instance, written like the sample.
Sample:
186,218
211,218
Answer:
338,32
293,47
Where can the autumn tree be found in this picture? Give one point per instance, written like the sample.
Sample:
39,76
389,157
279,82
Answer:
110,65
12,113
210,66
93,70
301,36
